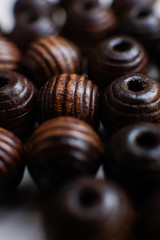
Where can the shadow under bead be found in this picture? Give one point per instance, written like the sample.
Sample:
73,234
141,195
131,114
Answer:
12,162
132,159
69,95
10,56
88,23
50,56
17,103
88,208
115,57
142,23
61,149
130,99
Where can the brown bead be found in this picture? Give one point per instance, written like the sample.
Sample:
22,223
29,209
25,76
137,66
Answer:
60,149
132,159
142,23
51,56
17,103
115,57
130,99
88,23
12,162
87,208
10,56
69,95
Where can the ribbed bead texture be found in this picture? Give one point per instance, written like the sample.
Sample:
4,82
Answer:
70,95
60,149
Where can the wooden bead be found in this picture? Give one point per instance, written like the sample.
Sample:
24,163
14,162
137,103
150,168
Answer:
12,162
60,149
142,23
132,159
130,99
88,23
89,209
10,56
115,57
69,95
51,56
17,103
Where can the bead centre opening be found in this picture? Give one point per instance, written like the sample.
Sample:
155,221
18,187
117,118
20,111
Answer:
88,198
123,46
3,82
88,5
144,13
147,140
136,85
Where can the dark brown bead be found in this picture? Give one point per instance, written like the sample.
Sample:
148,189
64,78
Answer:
88,23
148,220
60,149
122,7
69,95
130,99
17,103
143,23
12,162
51,56
115,57
10,56
132,159
90,209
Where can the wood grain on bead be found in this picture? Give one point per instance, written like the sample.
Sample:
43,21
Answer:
132,159
130,99
17,102
87,208
51,56
69,95
12,162
60,149
10,56
115,57
88,23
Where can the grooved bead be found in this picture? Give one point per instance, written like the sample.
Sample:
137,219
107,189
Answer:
115,57
9,55
132,159
130,99
69,95
12,162
51,56
88,23
88,208
60,149
17,103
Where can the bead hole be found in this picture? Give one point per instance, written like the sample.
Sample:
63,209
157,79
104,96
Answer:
88,5
136,86
147,140
144,13
31,18
123,46
3,82
88,198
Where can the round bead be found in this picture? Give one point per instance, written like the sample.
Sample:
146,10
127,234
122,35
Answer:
17,103
9,55
88,23
132,159
144,24
69,95
130,99
51,56
115,57
12,162
60,149
90,209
